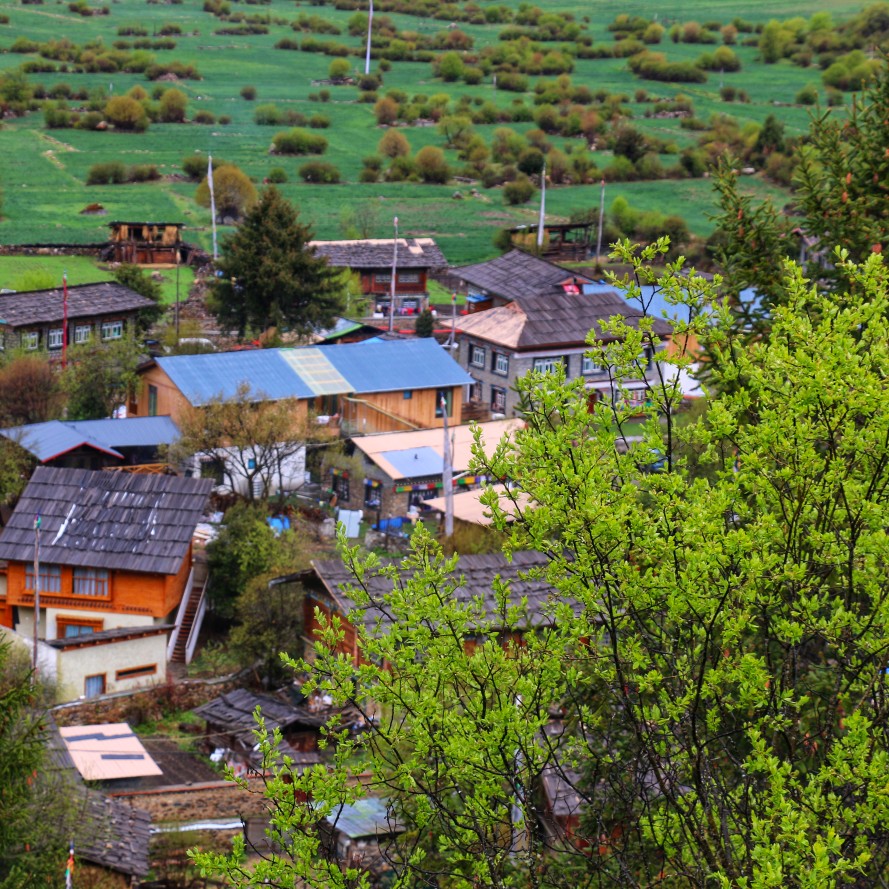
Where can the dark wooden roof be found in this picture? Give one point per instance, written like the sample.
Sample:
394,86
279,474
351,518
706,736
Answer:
106,637
143,222
376,253
477,571
112,520
84,301
233,712
117,837
516,274
535,322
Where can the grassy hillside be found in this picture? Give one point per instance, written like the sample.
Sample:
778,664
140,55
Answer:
44,172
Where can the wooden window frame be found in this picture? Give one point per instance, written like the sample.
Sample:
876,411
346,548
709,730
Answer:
135,672
103,677
91,575
62,623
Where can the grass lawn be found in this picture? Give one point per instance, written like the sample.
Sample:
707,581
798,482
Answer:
40,272
43,174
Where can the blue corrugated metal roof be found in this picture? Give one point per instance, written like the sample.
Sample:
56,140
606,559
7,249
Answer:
368,817
415,462
130,432
312,366
396,364
51,439
201,378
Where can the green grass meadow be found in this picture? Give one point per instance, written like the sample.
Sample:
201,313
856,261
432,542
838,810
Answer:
43,172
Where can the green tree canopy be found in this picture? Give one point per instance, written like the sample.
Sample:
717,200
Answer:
271,277
708,676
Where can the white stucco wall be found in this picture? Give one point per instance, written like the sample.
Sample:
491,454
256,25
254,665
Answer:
76,664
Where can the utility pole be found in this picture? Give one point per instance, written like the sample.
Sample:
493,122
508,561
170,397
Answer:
392,282
64,320
177,298
36,591
601,223
212,203
447,473
540,221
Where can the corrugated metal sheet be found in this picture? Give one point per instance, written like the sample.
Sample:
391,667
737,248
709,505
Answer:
415,462
201,378
397,364
313,368
48,440
368,817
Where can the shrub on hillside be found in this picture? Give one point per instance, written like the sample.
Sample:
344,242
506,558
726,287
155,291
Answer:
125,113
298,141
519,191
267,115
319,172
431,165
111,173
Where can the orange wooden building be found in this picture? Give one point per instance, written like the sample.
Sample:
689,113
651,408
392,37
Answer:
115,565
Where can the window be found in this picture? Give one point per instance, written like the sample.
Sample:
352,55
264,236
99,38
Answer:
152,401
55,338
475,392
547,365
136,672
30,340
408,394
500,364
383,279
72,627
477,356
340,486
50,578
2,340
408,277
91,582
94,685
589,366
498,399
82,333
112,330
447,396
372,494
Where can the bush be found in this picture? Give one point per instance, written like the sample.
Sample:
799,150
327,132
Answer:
111,173
319,122
57,116
248,93
339,70
277,176
512,82
172,106
449,67
320,172
808,95
394,144
195,166
519,191
298,141
205,117
224,120
267,115
143,173
386,111
431,165
125,113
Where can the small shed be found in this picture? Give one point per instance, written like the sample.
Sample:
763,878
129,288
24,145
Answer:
147,243
361,831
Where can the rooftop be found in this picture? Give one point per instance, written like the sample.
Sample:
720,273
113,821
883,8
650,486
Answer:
372,253
275,374
367,817
516,274
106,752
534,322
418,453
107,520
118,836
469,508
84,301
46,441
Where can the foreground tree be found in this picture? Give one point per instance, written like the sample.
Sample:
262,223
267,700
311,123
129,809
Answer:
271,277
100,377
715,647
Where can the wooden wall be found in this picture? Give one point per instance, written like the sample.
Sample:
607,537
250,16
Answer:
418,410
170,400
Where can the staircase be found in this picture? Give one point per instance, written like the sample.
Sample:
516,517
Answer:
194,612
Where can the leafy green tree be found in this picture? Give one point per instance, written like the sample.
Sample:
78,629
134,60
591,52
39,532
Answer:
425,325
141,282
716,642
172,106
100,378
233,192
271,277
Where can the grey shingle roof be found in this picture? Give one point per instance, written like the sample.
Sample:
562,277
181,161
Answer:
516,274
107,519
118,836
533,322
84,301
375,253
478,573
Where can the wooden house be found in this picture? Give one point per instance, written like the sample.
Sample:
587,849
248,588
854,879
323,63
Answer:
539,333
368,387
95,444
35,319
115,578
231,726
327,581
515,275
147,243
402,470
372,260
566,241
